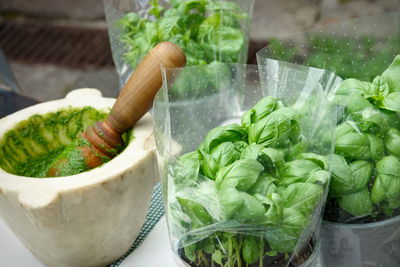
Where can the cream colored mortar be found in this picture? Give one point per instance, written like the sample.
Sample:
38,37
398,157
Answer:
88,219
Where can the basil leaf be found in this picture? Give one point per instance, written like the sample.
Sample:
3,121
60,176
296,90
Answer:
197,213
358,203
377,147
378,192
392,186
380,89
271,158
295,150
320,177
361,172
240,145
274,204
392,75
216,35
186,171
391,102
240,205
281,239
188,5
322,161
194,155
394,203
392,142
217,257
244,172
295,132
389,165
275,129
218,135
353,146
343,129
374,121
205,193
221,156
351,86
347,179
190,252
169,26
252,151
251,211
208,245
341,175
302,197
294,220
195,54
261,109
271,253
387,182
296,171
251,249
231,199
356,103
263,186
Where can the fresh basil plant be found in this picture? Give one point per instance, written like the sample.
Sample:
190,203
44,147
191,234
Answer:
209,32
248,191
366,167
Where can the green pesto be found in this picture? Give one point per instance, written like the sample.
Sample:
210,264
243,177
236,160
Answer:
75,163
32,145
37,167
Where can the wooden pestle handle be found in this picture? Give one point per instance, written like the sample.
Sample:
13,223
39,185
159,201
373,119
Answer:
136,98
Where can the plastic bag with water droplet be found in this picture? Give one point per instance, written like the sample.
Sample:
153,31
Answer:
208,31
232,185
362,216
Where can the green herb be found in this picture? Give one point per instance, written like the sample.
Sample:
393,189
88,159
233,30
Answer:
365,171
208,31
241,176
387,184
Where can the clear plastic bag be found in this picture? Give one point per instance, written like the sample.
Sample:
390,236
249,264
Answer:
362,212
211,220
360,48
207,30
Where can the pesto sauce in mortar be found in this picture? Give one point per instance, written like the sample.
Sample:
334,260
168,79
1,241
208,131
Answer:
37,167
31,146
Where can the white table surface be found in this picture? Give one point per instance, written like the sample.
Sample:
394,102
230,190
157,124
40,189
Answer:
14,254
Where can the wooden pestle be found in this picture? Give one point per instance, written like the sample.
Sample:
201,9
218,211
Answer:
103,141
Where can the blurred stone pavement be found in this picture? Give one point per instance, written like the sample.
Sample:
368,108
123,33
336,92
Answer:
271,19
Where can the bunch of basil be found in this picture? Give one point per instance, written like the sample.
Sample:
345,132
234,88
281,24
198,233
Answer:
208,31
248,191
366,166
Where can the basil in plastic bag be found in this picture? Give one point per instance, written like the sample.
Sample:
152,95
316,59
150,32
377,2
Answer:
365,171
